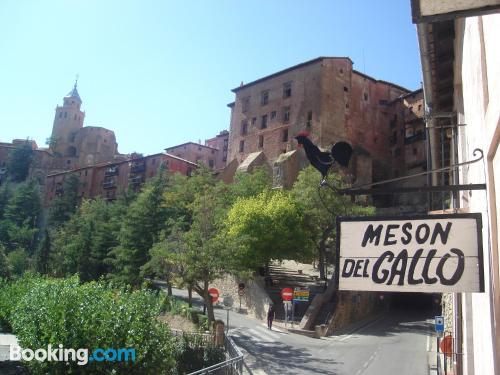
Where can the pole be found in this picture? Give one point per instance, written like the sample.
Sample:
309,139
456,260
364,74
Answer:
227,322
293,311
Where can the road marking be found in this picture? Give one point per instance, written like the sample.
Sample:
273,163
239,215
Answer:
360,329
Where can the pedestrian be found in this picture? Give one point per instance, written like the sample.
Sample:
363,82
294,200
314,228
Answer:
270,316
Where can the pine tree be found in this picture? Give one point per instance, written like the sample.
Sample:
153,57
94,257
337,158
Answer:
19,163
42,255
65,205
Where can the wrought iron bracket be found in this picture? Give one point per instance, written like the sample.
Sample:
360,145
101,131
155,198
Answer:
366,189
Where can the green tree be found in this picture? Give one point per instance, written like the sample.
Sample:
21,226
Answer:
141,228
200,255
64,205
250,184
19,262
19,162
18,228
267,227
320,207
82,245
42,255
4,264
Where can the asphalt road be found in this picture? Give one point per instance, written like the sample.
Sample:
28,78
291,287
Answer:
395,344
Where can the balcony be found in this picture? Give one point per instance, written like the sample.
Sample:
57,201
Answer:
138,167
109,184
111,171
415,138
136,179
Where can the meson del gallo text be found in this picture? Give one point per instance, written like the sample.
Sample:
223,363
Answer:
409,255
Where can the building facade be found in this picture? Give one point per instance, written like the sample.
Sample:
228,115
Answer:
325,97
196,153
461,71
221,143
108,180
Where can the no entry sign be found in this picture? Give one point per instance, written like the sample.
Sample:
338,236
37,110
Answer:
287,294
431,253
214,294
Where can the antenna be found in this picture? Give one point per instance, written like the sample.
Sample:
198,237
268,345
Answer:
76,80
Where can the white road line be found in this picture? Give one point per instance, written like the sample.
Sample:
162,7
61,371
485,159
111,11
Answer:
360,329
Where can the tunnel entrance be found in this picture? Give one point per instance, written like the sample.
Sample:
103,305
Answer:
425,302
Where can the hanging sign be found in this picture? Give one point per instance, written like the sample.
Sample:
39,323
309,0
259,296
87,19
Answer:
427,253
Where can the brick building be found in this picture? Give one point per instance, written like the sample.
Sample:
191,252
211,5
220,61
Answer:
324,96
107,180
212,153
221,143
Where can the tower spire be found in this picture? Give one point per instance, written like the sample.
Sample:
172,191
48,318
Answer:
76,80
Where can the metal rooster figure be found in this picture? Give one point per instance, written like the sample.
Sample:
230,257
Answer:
341,153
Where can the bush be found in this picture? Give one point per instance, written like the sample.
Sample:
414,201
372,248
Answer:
10,294
191,354
91,316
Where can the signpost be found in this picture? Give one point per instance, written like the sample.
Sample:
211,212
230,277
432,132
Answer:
439,324
228,303
214,294
422,253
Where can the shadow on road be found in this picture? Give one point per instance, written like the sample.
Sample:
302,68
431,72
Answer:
279,358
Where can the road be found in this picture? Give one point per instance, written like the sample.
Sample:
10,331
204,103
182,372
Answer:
395,343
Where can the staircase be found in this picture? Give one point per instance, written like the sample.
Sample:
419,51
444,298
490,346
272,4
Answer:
281,277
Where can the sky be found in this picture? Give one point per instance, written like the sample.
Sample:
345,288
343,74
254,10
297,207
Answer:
160,72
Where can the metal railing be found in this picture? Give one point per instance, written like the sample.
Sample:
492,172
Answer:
231,366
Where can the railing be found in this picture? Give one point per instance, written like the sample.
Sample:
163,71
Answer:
136,180
234,365
206,338
136,168
108,184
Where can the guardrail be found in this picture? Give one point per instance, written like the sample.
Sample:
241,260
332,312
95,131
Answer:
234,365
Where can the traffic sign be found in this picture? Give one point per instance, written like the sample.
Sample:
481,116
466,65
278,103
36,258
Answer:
241,286
439,324
214,293
241,292
301,294
287,294
228,301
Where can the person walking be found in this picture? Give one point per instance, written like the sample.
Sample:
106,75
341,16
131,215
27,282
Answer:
270,316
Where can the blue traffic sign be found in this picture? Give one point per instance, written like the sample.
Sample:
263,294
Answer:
439,324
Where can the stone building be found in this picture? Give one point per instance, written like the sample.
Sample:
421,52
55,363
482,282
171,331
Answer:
74,145
107,180
325,97
197,153
221,143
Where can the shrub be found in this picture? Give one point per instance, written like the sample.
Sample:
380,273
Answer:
10,294
191,354
91,316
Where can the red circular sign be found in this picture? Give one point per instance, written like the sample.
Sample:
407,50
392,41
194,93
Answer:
287,294
214,293
447,345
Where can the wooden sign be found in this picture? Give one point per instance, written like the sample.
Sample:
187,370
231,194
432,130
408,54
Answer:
428,253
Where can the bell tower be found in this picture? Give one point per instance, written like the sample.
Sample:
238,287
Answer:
67,121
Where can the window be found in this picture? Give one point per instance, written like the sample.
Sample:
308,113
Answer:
264,97
346,89
242,145
244,128
74,117
414,151
284,135
287,90
211,163
65,114
60,114
309,119
365,95
261,141
245,104
286,114
212,152
420,107
273,115
254,120
263,123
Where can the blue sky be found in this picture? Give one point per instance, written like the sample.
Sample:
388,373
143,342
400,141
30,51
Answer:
160,73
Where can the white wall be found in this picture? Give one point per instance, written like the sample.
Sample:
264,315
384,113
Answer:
477,94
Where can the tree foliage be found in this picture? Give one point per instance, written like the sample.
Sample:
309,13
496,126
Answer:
19,162
65,205
320,207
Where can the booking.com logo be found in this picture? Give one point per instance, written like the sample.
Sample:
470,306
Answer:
81,356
